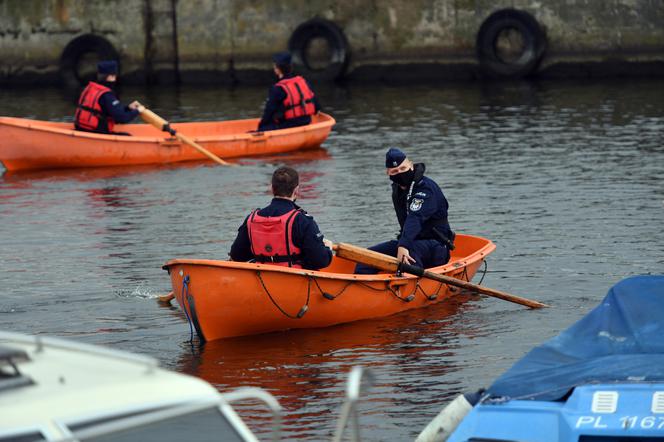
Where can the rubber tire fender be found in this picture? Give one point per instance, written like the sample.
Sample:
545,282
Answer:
534,44
336,39
73,52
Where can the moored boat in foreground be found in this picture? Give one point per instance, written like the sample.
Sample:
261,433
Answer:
225,298
59,390
32,144
602,379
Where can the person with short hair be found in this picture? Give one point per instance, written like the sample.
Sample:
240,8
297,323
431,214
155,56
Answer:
99,108
291,102
425,238
282,233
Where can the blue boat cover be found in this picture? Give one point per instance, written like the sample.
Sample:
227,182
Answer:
620,340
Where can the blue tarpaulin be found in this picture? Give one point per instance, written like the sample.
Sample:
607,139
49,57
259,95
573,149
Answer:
620,340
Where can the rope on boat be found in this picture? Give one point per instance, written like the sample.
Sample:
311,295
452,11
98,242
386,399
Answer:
486,266
331,297
407,298
464,275
304,308
185,304
327,295
435,295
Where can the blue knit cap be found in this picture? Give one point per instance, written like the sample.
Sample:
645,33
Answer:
281,58
394,157
108,67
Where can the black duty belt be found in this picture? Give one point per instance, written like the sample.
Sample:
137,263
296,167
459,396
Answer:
444,240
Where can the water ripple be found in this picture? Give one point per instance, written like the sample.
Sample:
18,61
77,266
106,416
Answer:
566,178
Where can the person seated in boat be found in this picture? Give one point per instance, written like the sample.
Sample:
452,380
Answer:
425,239
98,107
291,102
282,233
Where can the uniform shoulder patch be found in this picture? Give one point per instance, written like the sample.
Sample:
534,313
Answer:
416,204
115,103
421,194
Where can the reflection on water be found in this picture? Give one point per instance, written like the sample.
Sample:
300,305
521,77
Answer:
308,368
566,179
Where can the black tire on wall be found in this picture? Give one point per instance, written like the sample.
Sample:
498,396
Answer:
533,44
317,28
89,47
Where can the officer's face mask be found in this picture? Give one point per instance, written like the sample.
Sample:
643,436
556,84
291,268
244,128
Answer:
403,179
110,81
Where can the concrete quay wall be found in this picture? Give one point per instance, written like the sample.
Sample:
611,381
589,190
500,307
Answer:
227,41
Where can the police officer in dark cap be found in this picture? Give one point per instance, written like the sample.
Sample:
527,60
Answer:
98,107
425,239
282,233
291,102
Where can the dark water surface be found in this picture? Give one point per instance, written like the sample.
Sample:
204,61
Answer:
566,178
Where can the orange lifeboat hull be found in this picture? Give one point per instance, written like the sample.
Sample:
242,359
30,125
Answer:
225,298
32,144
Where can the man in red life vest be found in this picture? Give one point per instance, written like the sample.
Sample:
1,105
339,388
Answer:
291,101
282,233
98,107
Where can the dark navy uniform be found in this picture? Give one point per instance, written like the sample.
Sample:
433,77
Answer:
306,236
112,107
274,111
422,213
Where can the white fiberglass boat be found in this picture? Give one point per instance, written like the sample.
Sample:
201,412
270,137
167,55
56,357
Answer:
59,390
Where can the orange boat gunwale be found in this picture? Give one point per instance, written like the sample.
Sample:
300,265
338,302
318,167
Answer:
58,127
450,266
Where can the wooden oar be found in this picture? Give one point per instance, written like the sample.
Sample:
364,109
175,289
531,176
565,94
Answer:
391,264
150,117
167,298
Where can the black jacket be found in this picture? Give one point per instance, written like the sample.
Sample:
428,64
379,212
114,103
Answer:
420,210
306,236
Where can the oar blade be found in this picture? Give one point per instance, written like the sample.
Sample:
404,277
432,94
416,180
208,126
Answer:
165,299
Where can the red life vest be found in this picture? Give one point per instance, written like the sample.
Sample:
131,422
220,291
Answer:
299,98
89,115
271,239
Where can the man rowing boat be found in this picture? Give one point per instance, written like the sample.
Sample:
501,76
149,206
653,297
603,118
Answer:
99,109
291,101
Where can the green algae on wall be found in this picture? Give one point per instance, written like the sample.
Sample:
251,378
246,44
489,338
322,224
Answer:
225,38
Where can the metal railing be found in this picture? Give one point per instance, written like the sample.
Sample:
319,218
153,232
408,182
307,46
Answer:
359,381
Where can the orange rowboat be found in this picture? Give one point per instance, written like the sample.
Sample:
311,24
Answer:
33,144
225,298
